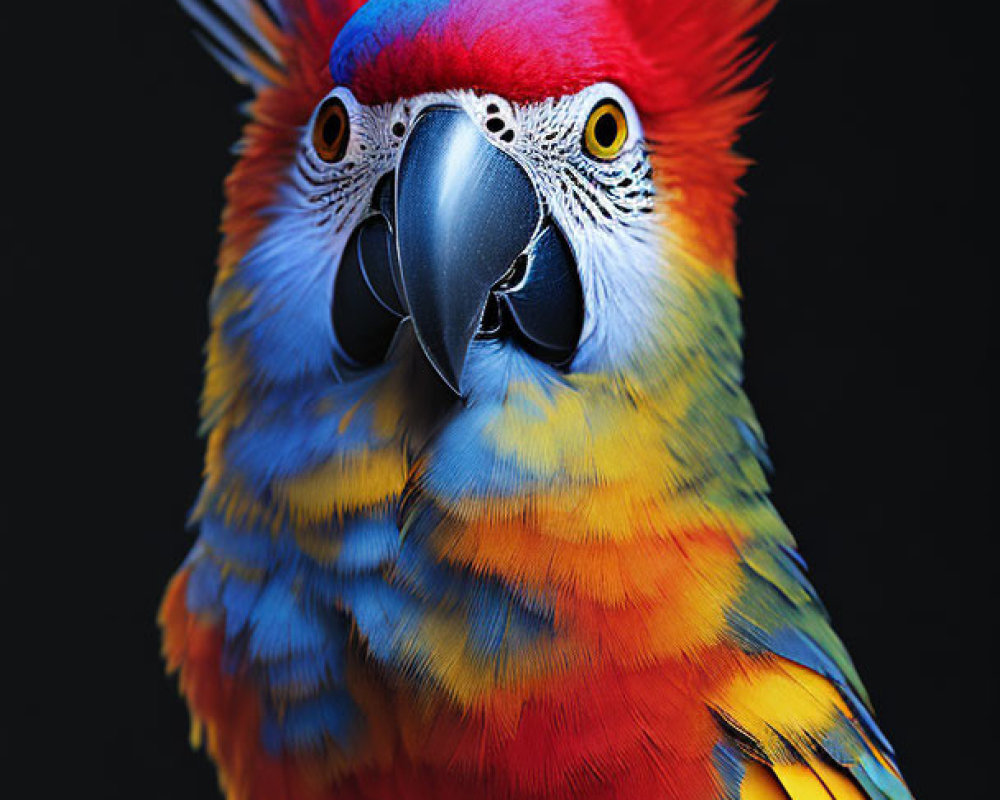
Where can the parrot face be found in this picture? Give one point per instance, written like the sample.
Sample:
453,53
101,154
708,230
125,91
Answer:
485,511
472,223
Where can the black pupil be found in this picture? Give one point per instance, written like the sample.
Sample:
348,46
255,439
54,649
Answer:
606,129
333,126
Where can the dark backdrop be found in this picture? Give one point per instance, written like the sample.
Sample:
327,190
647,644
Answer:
868,358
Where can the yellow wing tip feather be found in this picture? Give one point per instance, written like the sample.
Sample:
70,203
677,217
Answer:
815,780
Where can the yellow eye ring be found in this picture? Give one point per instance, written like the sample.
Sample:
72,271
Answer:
331,131
606,131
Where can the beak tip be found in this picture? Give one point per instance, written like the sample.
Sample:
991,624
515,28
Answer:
451,379
457,232
447,369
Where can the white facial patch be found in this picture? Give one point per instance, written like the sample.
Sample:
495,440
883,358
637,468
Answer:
606,209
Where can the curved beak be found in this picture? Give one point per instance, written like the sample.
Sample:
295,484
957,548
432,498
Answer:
464,212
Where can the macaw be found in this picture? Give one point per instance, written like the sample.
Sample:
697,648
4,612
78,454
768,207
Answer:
485,510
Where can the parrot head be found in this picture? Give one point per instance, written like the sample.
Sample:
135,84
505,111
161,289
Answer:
497,189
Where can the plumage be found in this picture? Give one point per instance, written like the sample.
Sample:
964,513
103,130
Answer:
569,582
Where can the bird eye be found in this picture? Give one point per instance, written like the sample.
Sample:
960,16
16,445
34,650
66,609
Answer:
331,131
606,131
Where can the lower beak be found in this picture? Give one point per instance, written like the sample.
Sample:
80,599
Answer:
465,211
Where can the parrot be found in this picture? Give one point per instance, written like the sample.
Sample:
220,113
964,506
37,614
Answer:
485,510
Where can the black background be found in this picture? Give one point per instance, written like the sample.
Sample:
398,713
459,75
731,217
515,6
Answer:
867,303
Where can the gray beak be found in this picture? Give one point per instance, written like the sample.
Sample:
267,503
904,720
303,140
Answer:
465,211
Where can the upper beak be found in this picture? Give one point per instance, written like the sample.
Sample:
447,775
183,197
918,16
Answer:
465,211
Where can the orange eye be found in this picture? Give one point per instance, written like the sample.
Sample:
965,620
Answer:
331,131
606,131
